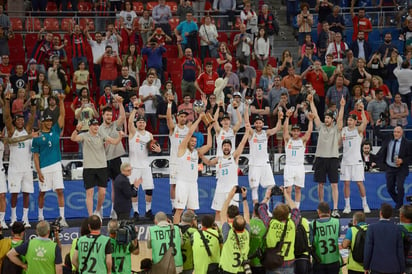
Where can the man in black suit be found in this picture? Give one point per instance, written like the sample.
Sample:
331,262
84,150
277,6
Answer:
368,158
395,155
384,245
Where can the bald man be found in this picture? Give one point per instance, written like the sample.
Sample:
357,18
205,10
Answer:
395,154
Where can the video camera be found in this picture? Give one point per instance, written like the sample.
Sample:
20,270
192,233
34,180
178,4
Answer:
55,227
126,232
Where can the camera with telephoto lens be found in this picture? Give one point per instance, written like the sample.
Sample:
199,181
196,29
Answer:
246,267
55,227
276,191
383,116
239,189
126,232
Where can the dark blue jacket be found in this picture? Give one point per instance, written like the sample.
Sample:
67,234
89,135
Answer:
123,193
366,47
384,248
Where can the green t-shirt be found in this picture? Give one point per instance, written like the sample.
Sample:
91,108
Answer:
274,234
329,72
234,253
257,231
97,259
121,258
160,242
41,256
352,264
201,259
187,251
326,240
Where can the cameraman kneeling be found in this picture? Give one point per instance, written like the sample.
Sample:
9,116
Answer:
42,254
121,256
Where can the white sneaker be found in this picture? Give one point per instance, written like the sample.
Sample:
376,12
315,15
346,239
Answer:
63,223
12,222
335,213
366,209
97,213
26,224
4,225
347,210
113,215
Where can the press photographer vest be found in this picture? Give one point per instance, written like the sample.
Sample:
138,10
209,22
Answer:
97,260
273,237
40,256
326,240
159,238
121,258
232,257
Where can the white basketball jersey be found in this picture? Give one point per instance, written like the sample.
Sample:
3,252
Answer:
20,153
175,139
258,145
295,152
229,134
352,142
138,153
187,170
226,172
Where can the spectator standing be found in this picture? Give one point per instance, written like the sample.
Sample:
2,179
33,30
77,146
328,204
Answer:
205,83
376,107
98,49
243,41
161,15
395,153
268,21
56,76
329,253
113,38
249,18
232,81
398,112
127,21
148,94
78,44
47,160
42,50
186,33
308,58
260,105
58,51
108,61
326,36
208,39
392,62
190,68
224,58
103,12
293,83
94,162
262,49
305,22
323,8
19,79
146,26
267,80
52,109
4,37
336,92
337,48
154,52
327,153
247,71
125,85
227,12
388,46
4,19
360,47
275,93
183,8
187,107
81,77
85,113
336,20
404,77
384,251
369,159
285,63
360,22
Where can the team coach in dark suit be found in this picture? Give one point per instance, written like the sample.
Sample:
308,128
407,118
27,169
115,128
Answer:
395,154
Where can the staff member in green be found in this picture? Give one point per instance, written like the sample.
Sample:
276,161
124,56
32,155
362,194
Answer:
121,256
188,226
325,233
159,240
349,242
42,254
93,253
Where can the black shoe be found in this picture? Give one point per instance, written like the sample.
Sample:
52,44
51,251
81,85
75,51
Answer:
173,212
136,216
149,215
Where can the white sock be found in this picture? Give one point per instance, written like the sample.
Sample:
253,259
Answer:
364,201
172,201
297,204
2,214
25,214
135,207
41,212
13,214
148,206
347,202
112,208
61,211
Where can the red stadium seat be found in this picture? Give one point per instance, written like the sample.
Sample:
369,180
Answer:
66,24
33,24
222,37
253,63
171,51
16,42
87,22
173,22
51,8
84,8
273,62
258,75
51,24
16,24
151,5
173,6
138,7
29,42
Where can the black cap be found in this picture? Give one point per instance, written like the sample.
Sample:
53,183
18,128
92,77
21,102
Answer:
46,118
258,117
139,118
295,126
94,121
18,115
225,116
180,112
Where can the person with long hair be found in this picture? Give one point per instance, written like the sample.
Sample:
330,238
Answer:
224,58
262,48
391,63
39,82
133,68
377,83
286,62
267,80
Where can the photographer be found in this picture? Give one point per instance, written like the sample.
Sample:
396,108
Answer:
42,254
99,258
188,226
122,260
235,229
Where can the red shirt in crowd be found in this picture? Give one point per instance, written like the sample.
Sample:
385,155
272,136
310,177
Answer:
109,68
207,81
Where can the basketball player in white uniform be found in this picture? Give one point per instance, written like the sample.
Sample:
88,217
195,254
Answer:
20,173
260,171
226,132
177,132
226,173
352,165
295,146
186,178
139,139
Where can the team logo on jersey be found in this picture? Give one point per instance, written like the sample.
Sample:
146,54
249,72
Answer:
343,137
223,137
177,135
290,146
188,158
255,140
137,140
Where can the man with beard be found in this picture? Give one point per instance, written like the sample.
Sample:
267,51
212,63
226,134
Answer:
20,176
360,22
360,47
352,166
295,146
113,153
125,85
140,142
47,160
19,79
260,171
226,172
187,194
98,49
327,152
52,109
